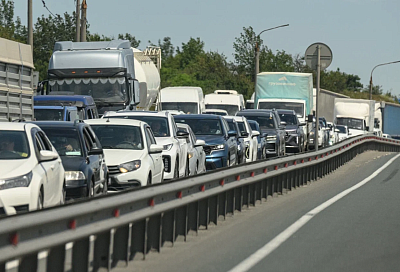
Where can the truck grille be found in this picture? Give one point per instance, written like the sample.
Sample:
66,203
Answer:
113,170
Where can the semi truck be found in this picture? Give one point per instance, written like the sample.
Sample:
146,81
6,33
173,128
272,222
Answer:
103,70
16,81
356,114
185,99
387,117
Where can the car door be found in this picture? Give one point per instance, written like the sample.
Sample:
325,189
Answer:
156,163
201,155
97,162
182,149
232,143
94,161
52,187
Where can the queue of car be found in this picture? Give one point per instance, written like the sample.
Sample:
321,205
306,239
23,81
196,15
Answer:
47,162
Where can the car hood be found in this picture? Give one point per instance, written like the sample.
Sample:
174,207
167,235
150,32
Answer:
116,157
73,163
212,139
16,168
291,127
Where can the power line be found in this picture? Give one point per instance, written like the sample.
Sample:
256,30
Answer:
44,5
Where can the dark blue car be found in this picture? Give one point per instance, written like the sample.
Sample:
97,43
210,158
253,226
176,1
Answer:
221,144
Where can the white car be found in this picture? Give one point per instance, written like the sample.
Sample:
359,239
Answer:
333,133
343,132
196,153
165,130
31,174
250,138
132,155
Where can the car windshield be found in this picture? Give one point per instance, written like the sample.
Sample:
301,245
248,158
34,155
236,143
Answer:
341,129
186,107
65,141
159,125
49,114
290,119
13,145
231,109
203,126
350,123
119,136
265,122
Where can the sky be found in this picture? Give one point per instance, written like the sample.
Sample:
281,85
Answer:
360,33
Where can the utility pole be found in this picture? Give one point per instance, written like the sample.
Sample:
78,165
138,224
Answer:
83,25
78,21
30,25
316,132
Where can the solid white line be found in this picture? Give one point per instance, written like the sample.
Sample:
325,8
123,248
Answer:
263,252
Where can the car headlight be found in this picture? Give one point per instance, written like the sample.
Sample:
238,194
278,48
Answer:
167,146
20,181
271,138
218,147
239,147
312,133
190,155
129,166
74,175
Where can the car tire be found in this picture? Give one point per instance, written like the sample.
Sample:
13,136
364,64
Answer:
149,179
40,200
187,170
91,189
63,194
176,171
105,188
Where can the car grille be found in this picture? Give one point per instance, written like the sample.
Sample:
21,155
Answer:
207,149
210,166
21,208
167,163
113,169
2,211
270,146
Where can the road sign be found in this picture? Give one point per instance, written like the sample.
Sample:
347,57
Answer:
312,56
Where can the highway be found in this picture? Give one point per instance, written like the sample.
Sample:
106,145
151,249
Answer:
358,232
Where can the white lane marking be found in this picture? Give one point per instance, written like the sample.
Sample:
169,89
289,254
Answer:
263,252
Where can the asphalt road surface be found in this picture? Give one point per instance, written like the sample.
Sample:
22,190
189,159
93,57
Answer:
360,231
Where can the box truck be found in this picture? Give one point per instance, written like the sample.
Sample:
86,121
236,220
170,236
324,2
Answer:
189,100
228,100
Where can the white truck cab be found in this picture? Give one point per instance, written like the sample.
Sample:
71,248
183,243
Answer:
228,100
189,100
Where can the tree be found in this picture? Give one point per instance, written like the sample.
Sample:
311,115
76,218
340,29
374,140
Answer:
166,46
8,28
134,42
190,51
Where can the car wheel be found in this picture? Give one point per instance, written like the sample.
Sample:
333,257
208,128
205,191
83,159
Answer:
176,171
91,189
149,179
105,187
197,168
187,170
40,200
63,195
228,161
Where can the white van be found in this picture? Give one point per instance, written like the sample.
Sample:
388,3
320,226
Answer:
189,100
228,100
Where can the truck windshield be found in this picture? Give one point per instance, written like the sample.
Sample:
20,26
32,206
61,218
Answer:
297,107
341,129
49,114
103,90
188,108
351,123
231,109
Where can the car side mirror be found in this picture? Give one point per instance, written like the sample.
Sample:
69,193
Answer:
155,149
47,155
95,151
349,134
199,143
244,134
182,134
310,118
255,133
336,130
367,128
283,123
232,133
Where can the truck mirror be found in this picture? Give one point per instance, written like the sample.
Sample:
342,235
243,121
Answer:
310,118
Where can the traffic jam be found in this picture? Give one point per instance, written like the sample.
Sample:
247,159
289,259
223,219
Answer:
86,132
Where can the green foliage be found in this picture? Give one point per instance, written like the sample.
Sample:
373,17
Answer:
134,43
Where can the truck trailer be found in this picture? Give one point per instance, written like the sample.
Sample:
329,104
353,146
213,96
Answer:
16,81
387,116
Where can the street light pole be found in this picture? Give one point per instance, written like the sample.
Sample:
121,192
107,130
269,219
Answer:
370,80
257,52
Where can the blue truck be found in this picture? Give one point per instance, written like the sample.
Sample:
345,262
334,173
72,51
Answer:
387,117
56,113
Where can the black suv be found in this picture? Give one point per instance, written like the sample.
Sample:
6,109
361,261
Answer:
270,125
295,137
86,173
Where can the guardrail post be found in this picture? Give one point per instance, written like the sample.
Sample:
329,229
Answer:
101,251
56,258
80,255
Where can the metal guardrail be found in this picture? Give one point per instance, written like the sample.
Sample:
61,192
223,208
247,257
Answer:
101,232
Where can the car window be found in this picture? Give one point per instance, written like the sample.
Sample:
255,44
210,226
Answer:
65,140
159,125
242,126
13,145
148,138
45,141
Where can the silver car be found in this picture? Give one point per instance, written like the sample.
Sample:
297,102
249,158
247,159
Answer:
196,154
